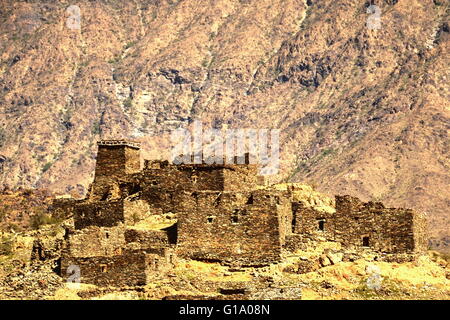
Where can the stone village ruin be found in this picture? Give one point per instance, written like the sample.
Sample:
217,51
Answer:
220,213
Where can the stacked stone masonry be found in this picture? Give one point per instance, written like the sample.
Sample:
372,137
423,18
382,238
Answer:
135,222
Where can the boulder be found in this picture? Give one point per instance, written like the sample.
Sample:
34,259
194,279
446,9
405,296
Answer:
335,257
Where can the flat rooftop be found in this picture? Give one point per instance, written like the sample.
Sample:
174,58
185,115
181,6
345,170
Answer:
112,143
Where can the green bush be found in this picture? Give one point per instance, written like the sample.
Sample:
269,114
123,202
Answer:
46,166
96,129
127,104
6,246
2,137
3,213
130,44
42,218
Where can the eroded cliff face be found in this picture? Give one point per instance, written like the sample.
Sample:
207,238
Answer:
363,112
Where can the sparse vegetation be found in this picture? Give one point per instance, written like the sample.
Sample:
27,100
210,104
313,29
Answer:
127,104
115,60
6,245
46,167
129,44
41,218
2,137
3,213
96,129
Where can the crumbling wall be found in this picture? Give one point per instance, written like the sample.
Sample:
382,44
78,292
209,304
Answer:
63,208
392,230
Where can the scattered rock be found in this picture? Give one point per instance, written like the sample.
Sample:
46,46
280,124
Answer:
324,261
335,257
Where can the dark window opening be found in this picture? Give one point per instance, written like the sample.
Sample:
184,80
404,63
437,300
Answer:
135,188
107,235
321,225
250,200
172,233
294,223
105,196
103,268
210,219
57,267
235,216
365,241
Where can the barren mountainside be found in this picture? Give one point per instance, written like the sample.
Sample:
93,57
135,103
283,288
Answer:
361,112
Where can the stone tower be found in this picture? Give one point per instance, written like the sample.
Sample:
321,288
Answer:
115,160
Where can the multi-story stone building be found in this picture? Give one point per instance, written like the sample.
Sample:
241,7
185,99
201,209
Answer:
135,222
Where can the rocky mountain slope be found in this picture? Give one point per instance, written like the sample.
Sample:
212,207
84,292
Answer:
364,112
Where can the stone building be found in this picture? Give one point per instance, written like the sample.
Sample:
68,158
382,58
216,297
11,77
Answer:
356,224
247,228
135,222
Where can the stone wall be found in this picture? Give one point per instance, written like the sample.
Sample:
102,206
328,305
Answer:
241,177
117,160
236,227
96,241
104,214
63,208
127,269
198,177
148,238
312,223
359,224
420,231
114,162
131,268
